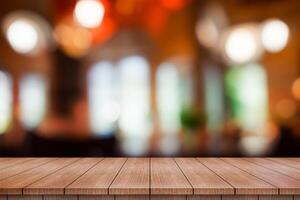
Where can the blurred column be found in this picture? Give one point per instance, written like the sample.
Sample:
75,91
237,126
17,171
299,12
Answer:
135,122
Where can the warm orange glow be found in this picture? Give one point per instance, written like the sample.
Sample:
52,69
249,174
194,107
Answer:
131,12
105,31
156,20
174,4
286,108
296,89
74,40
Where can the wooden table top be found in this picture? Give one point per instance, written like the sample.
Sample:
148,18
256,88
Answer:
145,176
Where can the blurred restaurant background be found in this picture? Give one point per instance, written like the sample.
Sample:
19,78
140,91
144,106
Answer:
150,78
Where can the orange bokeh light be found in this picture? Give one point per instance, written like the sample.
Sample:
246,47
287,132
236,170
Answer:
174,5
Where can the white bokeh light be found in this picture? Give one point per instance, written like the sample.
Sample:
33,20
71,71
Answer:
22,36
104,109
33,99
241,45
274,36
168,98
5,101
135,121
89,13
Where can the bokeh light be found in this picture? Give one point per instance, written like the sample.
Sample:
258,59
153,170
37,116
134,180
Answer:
210,24
22,36
207,33
5,101
286,108
168,98
274,36
89,13
33,100
75,41
296,89
135,104
242,44
27,33
174,5
104,109
247,88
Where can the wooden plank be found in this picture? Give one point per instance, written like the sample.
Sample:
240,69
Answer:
134,178
240,197
98,179
277,197
243,182
204,197
132,197
15,184
203,180
287,161
4,163
286,184
168,197
294,159
3,197
279,167
60,197
18,168
56,182
94,197
167,178
19,197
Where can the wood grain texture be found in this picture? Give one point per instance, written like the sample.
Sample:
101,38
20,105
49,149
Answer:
167,178
134,178
203,180
98,179
243,182
94,197
240,197
204,197
145,178
287,161
8,162
18,168
15,184
168,197
30,197
60,197
278,167
132,197
56,182
276,197
286,184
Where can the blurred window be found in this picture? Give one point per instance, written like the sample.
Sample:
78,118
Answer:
214,103
5,101
135,103
247,90
168,98
33,97
104,109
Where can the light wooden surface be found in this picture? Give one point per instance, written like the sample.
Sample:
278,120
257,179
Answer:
202,179
149,178
56,182
287,185
134,178
98,179
167,178
243,182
